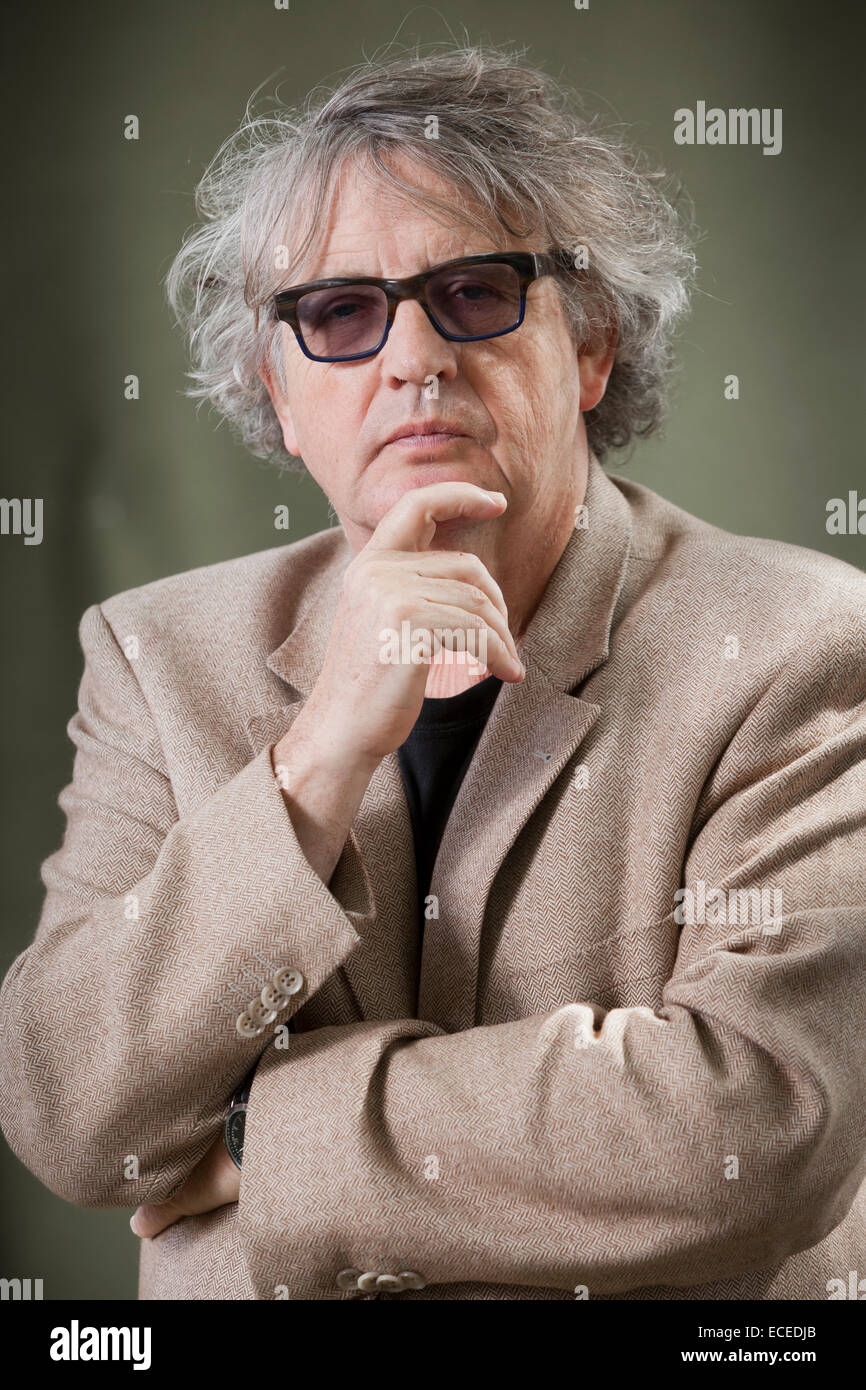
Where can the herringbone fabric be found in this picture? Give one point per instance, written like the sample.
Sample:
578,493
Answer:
571,1085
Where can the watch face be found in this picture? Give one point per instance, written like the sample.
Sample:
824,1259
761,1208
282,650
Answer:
235,1125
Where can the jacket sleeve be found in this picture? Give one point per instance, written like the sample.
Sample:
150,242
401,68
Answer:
718,1133
119,1043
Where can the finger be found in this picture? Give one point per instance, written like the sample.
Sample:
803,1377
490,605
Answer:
149,1220
498,659
461,565
411,523
456,594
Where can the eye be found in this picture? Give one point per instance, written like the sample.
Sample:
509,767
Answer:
322,308
339,309
347,307
473,290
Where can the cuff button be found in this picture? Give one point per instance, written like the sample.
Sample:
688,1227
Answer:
274,998
261,1013
288,980
246,1026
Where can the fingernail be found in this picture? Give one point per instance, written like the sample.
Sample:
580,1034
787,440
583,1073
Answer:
132,1220
496,496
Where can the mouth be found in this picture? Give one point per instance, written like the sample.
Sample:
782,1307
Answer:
437,441
426,434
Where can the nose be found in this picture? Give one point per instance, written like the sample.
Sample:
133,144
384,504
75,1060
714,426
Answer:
414,350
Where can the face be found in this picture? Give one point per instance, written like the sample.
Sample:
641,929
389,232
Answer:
517,399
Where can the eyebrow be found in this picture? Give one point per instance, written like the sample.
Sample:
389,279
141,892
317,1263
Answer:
366,274
336,275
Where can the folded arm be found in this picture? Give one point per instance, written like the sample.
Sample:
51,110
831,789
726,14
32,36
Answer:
119,1044
716,1134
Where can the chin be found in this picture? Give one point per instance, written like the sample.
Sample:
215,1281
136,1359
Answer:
389,490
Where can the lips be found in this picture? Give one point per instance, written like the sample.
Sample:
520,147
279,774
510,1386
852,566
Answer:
425,431
424,441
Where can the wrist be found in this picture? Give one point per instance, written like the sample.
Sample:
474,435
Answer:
322,786
235,1122
308,755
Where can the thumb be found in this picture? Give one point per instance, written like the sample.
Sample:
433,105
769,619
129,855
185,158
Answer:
411,523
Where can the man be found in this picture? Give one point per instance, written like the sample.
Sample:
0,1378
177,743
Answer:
545,971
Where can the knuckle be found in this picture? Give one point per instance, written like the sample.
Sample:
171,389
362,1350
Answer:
476,567
403,610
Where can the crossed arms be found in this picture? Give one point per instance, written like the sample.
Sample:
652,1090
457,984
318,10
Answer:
573,1147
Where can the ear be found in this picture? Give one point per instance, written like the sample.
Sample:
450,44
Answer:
281,408
594,367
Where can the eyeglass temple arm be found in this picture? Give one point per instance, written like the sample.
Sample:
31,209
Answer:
549,262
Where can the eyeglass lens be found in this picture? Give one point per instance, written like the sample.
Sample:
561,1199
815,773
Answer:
468,302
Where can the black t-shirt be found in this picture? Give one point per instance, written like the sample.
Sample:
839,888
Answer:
433,762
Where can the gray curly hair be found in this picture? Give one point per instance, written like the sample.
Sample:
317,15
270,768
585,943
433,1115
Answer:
514,142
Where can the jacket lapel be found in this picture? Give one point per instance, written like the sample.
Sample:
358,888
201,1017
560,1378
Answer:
533,730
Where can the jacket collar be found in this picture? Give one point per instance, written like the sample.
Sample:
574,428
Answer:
569,633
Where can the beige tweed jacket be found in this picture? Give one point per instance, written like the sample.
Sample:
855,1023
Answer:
627,1060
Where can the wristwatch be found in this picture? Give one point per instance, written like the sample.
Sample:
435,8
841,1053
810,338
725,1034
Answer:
236,1121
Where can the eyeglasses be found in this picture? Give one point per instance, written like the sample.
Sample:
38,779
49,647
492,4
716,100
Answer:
466,300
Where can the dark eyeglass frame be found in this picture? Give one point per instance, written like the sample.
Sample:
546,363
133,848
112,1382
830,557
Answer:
529,265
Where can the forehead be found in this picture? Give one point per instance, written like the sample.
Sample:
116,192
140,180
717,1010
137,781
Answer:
369,227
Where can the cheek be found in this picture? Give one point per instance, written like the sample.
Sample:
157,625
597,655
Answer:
532,393
326,410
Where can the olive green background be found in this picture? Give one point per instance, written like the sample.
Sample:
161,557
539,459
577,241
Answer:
136,490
